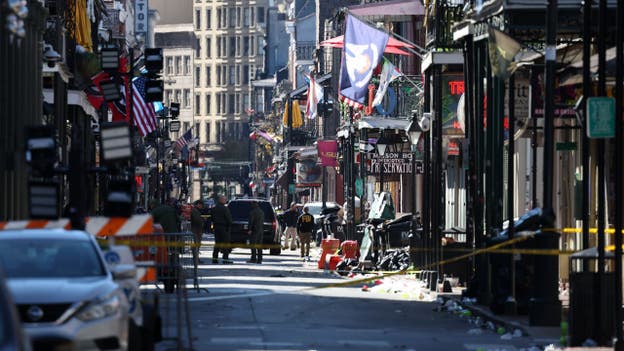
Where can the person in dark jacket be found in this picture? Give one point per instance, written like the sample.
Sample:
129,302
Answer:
166,216
256,229
305,225
222,222
290,219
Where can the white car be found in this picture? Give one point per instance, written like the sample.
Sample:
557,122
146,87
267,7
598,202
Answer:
63,289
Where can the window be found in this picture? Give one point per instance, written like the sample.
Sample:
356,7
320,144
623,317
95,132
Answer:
246,102
197,19
208,104
208,47
187,98
218,103
246,19
197,106
167,97
238,104
260,47
219,22
232,80
238,46
232,14
197,75
218,75
224,76
238,80
245,46
187,65
178,65
169,69
253,16
218,130
245,74
238,17
197,48
207,132
186,126
208,76
208,19
231,104
252,49
177,96
218,47
232,46
223,96
260,14
197,129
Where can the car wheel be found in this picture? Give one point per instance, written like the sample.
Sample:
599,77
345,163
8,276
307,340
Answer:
275,252
134,337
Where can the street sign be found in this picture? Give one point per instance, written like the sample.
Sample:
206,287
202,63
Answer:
365,147
174,126
600,117
359,187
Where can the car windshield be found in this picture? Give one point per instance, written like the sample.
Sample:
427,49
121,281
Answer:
49,258
240,210
315,210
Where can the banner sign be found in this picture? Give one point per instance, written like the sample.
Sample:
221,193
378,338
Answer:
140,16
452,90
393,163
309,173
328,152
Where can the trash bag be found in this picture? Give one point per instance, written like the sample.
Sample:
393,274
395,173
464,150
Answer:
394,261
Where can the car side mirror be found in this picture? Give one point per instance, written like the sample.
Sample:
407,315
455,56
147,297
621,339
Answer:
124,271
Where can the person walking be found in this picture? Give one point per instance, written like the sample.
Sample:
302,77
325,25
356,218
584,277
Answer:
222,221
167,216
305,225
290,218
256,231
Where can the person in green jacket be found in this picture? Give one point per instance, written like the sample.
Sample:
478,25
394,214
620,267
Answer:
166,216
222,222
256,231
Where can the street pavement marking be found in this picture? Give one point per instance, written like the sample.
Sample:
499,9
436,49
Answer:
230,297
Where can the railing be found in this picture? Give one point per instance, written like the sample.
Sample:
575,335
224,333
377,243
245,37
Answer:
305,50
440,20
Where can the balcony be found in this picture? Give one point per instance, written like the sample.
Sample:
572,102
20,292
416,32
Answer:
441,16
305,50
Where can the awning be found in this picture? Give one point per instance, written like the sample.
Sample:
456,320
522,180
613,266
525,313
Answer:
382,123
394,46
389,8
74,97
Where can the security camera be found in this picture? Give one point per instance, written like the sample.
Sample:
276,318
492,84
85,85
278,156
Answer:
425,122
50,55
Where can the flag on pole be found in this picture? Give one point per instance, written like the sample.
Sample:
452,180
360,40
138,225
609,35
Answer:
143,112
389,72
315,95
502,50
186,138
363,48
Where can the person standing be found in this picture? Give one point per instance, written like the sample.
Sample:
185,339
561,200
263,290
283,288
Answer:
197,227
256,231
290,219
305,225
222,221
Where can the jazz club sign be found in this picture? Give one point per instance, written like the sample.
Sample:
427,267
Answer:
140,16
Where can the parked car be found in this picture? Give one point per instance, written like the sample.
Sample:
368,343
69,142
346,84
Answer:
316,210
12,336
240,208
63,289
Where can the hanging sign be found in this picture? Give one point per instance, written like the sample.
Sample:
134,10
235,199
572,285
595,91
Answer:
140,16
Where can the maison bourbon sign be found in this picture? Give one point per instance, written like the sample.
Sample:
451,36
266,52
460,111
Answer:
392,163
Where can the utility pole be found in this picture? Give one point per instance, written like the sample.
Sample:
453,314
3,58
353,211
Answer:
290,197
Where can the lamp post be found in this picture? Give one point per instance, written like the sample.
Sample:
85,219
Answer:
413,132
381,146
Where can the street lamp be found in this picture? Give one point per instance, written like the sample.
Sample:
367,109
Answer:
382,143
413,132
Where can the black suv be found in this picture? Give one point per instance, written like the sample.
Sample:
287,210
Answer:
240,209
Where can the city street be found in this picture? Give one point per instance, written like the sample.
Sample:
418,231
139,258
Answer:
285,304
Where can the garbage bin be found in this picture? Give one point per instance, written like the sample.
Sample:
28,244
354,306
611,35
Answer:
399,230
585,302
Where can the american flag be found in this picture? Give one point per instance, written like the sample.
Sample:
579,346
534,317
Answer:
185,139
143,112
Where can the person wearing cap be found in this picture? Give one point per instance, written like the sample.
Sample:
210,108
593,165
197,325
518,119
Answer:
256,229
290,218
305,225
222,222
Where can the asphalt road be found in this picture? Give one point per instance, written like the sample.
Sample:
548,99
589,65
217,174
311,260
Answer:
286,304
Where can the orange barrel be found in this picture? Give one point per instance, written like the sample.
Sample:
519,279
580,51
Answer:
330,244
349,249
333,262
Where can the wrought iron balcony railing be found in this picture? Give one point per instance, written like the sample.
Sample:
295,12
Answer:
305,50
441,16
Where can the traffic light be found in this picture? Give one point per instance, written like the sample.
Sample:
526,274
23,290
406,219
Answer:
154,87
119,202
174,109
